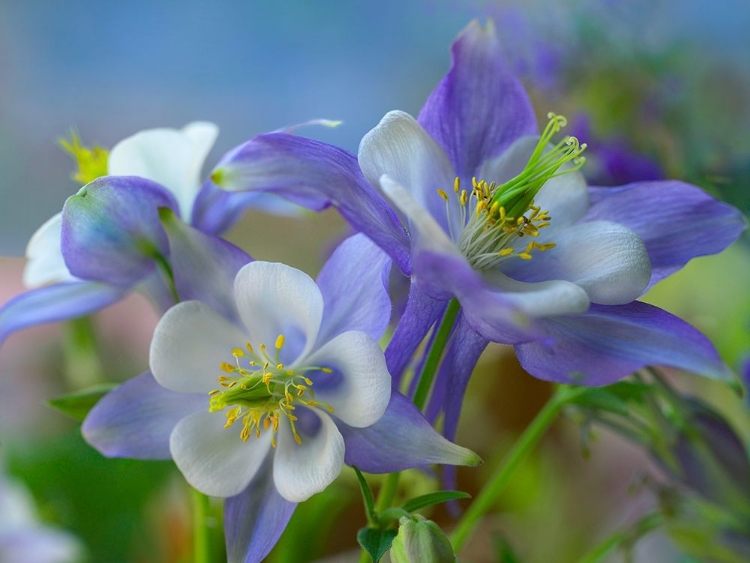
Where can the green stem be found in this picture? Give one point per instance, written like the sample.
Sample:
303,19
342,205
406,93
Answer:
431,363
201,531
618,538
520,451
83,366
388,490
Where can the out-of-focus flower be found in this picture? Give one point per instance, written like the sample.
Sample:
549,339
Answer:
302,388
421,541
23,538
534,256
109,238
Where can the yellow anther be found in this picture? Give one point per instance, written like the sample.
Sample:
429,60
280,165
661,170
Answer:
238,352
325,370
464,197
229,368
442,194
525,255
249,348
280,367
297,438
308,380
506,251
456,184
279,341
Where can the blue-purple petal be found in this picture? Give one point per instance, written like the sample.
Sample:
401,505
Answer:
610,342
111,230
55,303
136,419
420,314
215,211
315,175
255,519
479,108
464,349
204,266
676,221
400,440
354,284
487,310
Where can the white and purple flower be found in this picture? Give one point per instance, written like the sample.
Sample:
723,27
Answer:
265,407
114,235
481,208
23,537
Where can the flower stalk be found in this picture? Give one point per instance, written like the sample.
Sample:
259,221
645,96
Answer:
503,474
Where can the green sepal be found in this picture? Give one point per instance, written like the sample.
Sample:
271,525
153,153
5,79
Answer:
432,498
602,399
77,405
375,542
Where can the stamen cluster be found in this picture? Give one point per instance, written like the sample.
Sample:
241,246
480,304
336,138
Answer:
504,213
264,391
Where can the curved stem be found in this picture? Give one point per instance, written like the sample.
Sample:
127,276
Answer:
520,451
201,532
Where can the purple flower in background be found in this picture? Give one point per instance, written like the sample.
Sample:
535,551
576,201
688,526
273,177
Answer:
23,538
485,211
265,407
111,237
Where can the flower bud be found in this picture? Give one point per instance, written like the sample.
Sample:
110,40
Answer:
421,541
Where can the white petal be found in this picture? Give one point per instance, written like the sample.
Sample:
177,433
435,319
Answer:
171,157
606,259
214,459
541,299
189,344
565,197
275,299
301,470
45,260
400,148
362,395
428,234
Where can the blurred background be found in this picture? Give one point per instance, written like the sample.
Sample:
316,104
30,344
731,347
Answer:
658,89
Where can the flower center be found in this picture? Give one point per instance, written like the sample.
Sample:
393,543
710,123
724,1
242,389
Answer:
92,162
263,392
505,213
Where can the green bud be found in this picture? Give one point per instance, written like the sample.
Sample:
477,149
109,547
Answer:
421,541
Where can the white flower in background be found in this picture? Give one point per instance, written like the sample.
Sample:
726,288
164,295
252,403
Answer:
23,539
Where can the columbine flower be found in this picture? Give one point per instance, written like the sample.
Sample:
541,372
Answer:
266,409
111,236
503,220
22,535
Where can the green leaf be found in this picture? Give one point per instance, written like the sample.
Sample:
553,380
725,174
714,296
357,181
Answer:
77,405
369,500
433,498
375,542
634,391
602,399
392,514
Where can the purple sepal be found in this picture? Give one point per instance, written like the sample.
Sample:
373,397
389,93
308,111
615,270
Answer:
400,440
610,342
215,211
255,519
464,350
55,303
354,284
136,419
111,230
675,220
420,314
479,108
204,266
488,311
315,175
